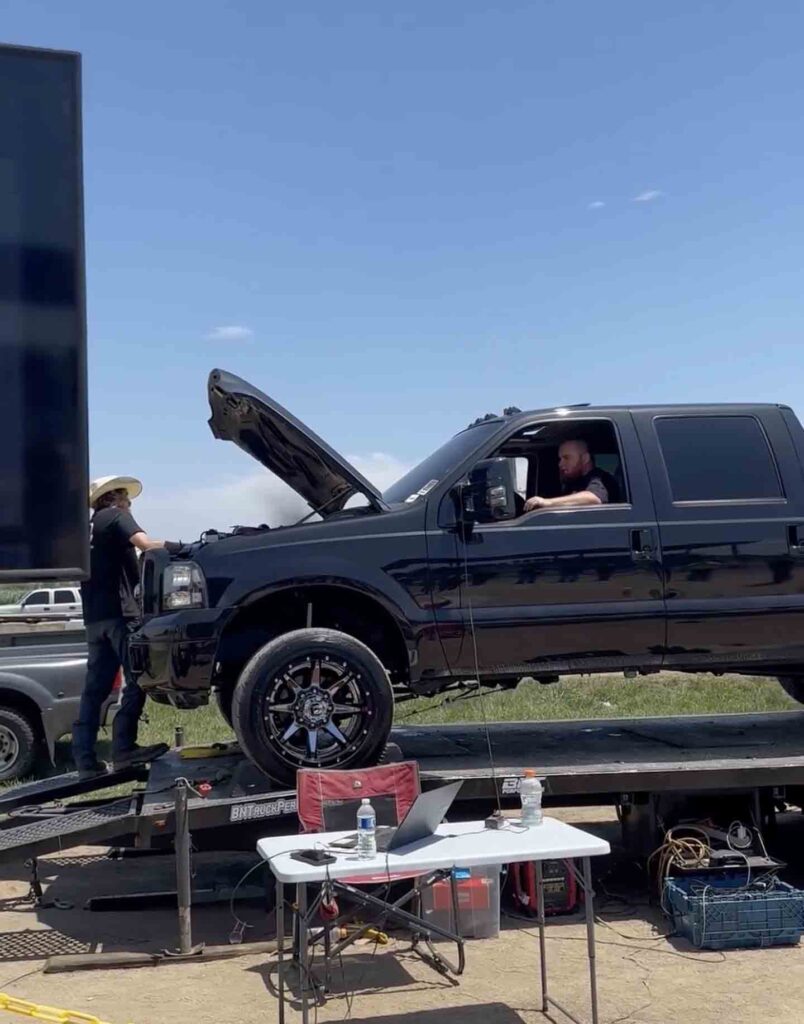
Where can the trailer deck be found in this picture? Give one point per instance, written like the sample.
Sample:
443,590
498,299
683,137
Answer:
594,761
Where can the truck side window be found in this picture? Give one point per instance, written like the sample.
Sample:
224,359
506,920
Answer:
717,458
65,597
38,597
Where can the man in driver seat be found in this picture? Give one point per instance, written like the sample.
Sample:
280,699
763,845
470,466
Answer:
582,482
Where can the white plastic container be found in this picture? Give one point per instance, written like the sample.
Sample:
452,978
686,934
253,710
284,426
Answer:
530,793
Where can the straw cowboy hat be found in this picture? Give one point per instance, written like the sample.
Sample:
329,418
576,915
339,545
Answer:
104,484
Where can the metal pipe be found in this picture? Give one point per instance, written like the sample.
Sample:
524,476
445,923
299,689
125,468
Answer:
183,870
280,946
304,980
589,900
542,943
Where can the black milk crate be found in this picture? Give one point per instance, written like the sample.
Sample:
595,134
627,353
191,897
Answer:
720,913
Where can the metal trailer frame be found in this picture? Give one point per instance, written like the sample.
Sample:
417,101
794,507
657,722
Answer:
626,762
216,794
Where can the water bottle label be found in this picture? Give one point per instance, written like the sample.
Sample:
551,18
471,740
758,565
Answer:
365,824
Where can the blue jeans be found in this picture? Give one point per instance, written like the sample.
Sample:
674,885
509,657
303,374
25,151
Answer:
107,645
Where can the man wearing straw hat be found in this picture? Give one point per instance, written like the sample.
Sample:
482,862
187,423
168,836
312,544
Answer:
114,536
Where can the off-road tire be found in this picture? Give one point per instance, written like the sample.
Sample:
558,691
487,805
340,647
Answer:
261,729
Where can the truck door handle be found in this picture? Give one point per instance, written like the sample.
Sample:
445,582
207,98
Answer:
642,545
794,543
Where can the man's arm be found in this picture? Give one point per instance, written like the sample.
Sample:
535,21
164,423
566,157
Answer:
581,498
129,530
142,541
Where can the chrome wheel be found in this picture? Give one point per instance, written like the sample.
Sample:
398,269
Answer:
316,710
9,749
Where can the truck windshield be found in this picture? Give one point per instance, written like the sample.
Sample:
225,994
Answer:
424,477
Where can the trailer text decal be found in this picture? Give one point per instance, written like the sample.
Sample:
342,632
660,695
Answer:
255,812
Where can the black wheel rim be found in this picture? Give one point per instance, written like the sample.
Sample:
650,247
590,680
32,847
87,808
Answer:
317,711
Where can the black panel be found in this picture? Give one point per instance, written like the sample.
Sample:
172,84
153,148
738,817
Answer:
43,458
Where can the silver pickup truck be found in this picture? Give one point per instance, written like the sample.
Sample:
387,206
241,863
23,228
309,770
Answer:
41,678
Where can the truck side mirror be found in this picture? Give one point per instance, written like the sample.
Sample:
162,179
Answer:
493,489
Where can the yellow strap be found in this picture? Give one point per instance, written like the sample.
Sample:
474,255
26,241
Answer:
211,750
47,1013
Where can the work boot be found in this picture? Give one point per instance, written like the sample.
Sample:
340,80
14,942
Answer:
92,770
139,755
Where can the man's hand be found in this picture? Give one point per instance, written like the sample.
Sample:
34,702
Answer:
578,499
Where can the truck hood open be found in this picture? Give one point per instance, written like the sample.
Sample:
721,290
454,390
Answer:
261,427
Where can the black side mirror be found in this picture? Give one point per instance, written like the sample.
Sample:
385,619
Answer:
493,489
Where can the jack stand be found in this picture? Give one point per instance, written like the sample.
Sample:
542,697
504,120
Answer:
186,953
184,880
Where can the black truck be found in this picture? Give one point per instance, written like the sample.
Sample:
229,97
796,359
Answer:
308,634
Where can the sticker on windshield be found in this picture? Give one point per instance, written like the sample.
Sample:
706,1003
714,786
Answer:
421,493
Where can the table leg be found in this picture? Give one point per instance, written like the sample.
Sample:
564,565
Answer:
280,946
304,971
542,943
589,900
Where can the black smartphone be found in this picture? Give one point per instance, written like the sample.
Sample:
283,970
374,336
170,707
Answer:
313,857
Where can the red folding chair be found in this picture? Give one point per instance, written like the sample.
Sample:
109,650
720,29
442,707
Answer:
328,802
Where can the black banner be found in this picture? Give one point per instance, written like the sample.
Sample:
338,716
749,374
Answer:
43,405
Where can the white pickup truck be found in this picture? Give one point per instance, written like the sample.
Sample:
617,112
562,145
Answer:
47,603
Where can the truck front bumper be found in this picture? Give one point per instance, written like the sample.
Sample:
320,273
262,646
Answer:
175,653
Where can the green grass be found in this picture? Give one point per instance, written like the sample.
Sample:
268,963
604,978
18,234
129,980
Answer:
11,593
611,696
601,696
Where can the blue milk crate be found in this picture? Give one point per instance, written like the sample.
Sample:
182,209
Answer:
715,913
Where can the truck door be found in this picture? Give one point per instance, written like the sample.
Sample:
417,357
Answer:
67,604
729,497
37,603
569,589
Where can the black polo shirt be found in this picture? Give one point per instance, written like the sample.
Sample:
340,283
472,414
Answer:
597,482
110,554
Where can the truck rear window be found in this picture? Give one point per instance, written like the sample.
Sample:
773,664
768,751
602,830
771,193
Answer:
717,458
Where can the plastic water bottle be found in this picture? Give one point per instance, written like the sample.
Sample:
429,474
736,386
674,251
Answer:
530,793
366,830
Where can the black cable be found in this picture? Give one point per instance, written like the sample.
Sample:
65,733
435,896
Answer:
251,870
470,609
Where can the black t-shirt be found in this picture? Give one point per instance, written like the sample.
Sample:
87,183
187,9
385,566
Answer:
110,565
597,482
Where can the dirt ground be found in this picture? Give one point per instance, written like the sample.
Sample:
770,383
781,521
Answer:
642,979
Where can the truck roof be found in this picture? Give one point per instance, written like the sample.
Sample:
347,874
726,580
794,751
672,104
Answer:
581,410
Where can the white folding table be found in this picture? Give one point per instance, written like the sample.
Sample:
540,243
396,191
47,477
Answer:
457,845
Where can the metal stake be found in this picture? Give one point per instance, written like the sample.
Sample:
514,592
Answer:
184,880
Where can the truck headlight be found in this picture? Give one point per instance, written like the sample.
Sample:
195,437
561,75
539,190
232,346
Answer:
183,586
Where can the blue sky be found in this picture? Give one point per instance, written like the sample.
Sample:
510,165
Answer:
417,216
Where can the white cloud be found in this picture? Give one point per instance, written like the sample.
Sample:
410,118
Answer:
596,205
232,332
381,469
186,510
648,196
